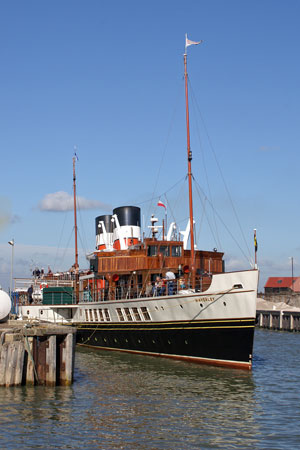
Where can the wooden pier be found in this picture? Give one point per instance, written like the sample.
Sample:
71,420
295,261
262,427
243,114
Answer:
36,354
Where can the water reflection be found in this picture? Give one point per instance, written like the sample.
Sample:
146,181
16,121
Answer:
170,404
121,401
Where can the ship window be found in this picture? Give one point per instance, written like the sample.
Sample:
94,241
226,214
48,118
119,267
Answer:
128,315
96,315
101,315
91,315
107,316
152,250
120,315
86,315
136,314
165,250
145,313
176,250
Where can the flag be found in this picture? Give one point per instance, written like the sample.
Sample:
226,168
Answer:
255,241
188,42
161,204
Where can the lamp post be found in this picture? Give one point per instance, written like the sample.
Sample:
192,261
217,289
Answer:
12,243
292,261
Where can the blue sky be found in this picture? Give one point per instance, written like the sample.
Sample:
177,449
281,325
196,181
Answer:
107,77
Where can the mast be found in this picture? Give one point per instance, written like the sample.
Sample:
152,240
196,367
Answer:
189,158
75,218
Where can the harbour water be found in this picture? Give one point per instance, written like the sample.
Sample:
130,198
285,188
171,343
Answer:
121,401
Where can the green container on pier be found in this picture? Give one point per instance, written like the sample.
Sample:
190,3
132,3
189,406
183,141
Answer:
58,296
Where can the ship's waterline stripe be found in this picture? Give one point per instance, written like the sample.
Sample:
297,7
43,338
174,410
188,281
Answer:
166,328
178,322
199,359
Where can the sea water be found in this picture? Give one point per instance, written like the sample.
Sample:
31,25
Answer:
121,401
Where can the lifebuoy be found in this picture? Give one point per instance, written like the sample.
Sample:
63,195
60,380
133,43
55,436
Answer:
42,286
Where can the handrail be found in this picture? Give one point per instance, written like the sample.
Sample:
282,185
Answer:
125,291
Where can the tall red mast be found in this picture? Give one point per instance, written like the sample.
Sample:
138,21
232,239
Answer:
189,158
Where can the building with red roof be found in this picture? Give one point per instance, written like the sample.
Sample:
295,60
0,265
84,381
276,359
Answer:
282,285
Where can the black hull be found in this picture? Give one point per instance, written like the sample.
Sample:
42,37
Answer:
222,342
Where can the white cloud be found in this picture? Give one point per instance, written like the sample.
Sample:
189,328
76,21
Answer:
232,263
62,201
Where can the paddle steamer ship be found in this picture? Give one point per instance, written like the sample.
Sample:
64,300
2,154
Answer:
155,296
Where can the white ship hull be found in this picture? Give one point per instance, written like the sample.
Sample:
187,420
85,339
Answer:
214,327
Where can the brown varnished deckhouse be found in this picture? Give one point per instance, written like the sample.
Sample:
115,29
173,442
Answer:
142,263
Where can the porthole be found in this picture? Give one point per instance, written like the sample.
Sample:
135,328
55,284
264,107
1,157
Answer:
96,339
139,341
104,339
224,303
153,341
186,342
156,307
126,340
116,340
169,342
181,306
201,305
162,307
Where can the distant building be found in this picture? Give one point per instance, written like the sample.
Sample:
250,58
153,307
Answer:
282,285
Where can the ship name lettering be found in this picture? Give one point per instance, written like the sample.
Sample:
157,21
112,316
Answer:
205,299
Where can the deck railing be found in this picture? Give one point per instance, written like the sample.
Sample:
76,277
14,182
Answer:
91,293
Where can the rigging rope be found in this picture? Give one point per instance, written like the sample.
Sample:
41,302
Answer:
222,176
223,223
194,101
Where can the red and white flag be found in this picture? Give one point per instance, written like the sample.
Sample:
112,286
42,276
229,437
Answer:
161,204
188,42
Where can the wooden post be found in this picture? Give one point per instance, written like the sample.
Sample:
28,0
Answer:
291,322
10,372
3,360
280,319
67,360
20,363
51,361
270,320
30,362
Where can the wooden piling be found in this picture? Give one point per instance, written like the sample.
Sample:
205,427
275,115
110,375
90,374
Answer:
20,363
3,364
67,357
51,361
30,361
